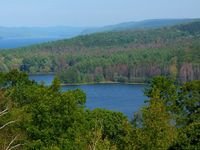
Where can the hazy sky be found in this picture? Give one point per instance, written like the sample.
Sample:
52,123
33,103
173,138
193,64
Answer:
92,12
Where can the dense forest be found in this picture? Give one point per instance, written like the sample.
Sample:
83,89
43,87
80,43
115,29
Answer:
121,56
33,116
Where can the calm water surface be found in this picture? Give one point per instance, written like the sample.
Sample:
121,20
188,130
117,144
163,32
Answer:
125,98
16,43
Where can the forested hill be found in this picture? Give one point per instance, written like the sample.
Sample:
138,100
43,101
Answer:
64,32
145,24
124,56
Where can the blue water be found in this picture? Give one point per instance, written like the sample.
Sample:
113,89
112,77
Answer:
15,43
42,78
125,98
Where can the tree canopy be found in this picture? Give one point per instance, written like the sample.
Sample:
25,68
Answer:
121,56
34,116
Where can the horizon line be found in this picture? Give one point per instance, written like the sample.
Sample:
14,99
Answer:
73,26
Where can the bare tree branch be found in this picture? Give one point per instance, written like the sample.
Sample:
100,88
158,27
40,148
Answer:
4,112
13,147
9,147
13,140
8,123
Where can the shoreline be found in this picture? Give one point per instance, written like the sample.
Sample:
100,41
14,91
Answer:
104,82
51,73
89,83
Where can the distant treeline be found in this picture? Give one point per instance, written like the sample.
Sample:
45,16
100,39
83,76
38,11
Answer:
123,56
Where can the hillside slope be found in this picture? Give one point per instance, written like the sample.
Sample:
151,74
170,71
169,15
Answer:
145,24
123,56
68,32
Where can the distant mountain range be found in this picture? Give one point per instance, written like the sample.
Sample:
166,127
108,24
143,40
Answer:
62,32
146,24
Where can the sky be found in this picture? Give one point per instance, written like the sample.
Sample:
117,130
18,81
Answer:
92,12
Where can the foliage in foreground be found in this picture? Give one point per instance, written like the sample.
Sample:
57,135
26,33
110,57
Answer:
33,116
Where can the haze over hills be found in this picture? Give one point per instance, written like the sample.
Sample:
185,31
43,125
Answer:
40,32
13,37
61,32
145,24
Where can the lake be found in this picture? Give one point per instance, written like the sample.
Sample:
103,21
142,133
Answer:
21,42
125,98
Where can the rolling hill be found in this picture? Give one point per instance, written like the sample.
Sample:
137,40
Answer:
119,56
61,32
145,24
